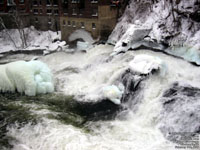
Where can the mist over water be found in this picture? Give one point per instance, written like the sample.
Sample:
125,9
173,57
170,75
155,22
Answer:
84,75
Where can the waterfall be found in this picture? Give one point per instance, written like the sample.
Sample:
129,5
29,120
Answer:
145,119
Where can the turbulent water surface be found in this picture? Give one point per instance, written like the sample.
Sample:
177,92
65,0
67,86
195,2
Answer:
144,123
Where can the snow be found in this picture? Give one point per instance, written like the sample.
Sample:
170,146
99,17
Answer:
176,28
35,40
31,78
81,34
133,34
113,93
145,64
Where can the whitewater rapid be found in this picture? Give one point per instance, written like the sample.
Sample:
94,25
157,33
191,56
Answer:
82,75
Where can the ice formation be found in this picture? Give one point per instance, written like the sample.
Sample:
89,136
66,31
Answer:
113,93
31,78
145,64
81,34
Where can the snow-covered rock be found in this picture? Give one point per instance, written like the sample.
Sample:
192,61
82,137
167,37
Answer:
113,93
134,34
172,23
31,78
145,64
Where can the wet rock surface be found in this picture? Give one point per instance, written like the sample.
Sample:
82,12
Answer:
181,111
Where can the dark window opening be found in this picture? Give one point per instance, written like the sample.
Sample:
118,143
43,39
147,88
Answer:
94,12
65,6
35,2
36,20
73,24
82,4
1,1
35,11
55,2
64,23
21,1
49,11
49,21
82,25
69,23
74,12
56,12
93,26
48,2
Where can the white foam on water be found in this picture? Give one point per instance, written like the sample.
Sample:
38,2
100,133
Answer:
138,130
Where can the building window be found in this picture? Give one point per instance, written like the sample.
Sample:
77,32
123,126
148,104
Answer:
21,1
64,23
94,12
40,2
48,2
49,21
73,24
93,26
94,1
55,2
69,23
10,2
35,11
36,20
82,25
35,2
49,11
81,12
75,1
74,12
56,12
40,11
65,1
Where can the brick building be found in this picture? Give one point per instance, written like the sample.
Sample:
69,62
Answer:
95,16
6,11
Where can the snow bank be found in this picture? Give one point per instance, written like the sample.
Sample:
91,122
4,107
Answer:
35,39
31,78
145,64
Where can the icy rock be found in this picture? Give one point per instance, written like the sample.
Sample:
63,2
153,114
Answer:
145,64
113,93
180,112
31,78
133,35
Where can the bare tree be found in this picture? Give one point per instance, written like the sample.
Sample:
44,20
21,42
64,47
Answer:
6,31
20,27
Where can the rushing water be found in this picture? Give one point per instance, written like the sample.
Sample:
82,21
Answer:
82,75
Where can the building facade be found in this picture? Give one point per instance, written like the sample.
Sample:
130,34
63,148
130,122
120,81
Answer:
95,16
98,17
